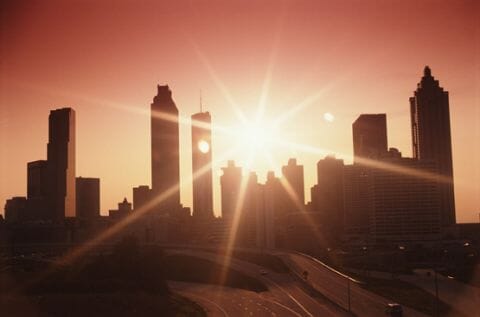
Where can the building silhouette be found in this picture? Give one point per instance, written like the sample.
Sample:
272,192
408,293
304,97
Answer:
88,198
230,183
15,210
165,150
123,210
369,136
294,186
431,139
37,179
268,221
141,196
405,207
328,196
202,166
37,191
61,164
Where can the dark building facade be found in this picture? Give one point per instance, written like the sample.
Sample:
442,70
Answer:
37,191
141,196
431,139
327,195
293,184
369,136
165,151
202,166
37,179
88,198
61,164
230,183
15,209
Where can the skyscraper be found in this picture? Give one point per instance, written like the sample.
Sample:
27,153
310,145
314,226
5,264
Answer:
431,140
165,150
37,191
328,195
369,136
61,164
37,179
294,186
88,198
230,183
202,166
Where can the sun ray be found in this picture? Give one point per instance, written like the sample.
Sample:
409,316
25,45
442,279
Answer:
218,82
268,75
233,226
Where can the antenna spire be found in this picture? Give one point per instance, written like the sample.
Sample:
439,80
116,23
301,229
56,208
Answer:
201,103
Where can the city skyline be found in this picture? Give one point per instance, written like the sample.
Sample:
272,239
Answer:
324,105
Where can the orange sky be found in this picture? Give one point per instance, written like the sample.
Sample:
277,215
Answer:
104,59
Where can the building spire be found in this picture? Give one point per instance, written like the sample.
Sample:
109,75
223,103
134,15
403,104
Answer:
427,72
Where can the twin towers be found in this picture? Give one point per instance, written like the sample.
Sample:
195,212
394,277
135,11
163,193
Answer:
166,157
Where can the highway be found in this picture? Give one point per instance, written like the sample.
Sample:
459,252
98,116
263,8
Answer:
287,295
337,286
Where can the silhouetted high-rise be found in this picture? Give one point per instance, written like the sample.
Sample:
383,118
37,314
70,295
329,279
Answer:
230,183
431,140
369,136
141,196
165,150
294,186
88,198
37,179
61,164
202,166
328,195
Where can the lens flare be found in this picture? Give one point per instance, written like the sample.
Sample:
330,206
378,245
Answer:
203,146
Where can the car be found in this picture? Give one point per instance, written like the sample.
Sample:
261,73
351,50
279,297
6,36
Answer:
394,310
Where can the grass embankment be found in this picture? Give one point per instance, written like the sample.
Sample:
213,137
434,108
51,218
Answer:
127,282
187,268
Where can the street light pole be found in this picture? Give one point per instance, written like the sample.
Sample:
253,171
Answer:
348,290
437,300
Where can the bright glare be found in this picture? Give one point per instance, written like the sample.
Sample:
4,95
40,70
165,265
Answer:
203,146
328,117
256,135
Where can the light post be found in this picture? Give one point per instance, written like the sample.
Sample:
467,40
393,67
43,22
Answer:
348,291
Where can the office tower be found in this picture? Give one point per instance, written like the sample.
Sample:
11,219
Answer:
431,140
405,205
61,164
202,166
15,209
37,191
165,151
230,183
369,136
327,195
267,221
141,196
293,183
358,202
37,179
88,198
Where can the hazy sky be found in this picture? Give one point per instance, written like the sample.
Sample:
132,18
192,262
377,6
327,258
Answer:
105,58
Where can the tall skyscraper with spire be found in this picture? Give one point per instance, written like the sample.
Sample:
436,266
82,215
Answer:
61,164
165,151
202,166
431,139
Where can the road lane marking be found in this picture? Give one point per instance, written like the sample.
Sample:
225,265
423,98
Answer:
208,301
